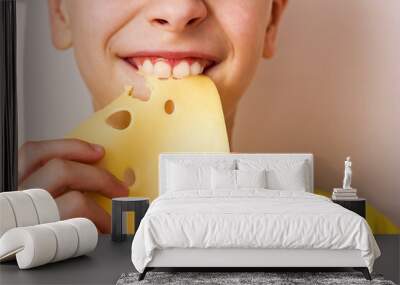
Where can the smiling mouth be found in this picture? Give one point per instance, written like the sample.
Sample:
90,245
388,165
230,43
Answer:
170,64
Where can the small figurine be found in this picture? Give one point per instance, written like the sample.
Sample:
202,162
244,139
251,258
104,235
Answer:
347,174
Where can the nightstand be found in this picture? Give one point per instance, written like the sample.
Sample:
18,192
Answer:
357,205
121,205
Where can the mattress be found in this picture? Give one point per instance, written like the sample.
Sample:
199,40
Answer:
251,219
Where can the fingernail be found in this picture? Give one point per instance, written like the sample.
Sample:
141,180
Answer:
97,147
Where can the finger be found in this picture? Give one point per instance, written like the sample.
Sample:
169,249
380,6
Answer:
74,204
33,155
57,176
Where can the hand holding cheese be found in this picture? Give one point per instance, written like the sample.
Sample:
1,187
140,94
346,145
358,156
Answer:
65,169
180,116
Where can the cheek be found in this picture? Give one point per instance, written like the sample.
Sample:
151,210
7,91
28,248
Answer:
93,23
245,27
245,19
99,18
244,24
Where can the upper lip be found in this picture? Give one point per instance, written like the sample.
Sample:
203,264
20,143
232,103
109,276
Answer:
173,55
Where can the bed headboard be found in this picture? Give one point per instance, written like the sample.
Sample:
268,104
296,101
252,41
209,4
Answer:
164,158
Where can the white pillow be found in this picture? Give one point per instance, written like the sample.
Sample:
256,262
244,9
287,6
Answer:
281,174
223,179
185,174
182,177
251,178
288,179
236,179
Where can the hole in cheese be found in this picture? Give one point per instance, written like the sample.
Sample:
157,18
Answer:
119,120
129,177
169,107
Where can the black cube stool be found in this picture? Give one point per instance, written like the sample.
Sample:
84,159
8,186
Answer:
121,205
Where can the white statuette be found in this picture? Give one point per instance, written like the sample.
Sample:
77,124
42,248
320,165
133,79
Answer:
147,67
67,240
45,205
162,69
23,207
347,174
181,70
196,68
7,218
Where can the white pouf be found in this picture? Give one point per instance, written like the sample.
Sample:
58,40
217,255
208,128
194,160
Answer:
46,207
87,233
7,218
67,240
33,246
40,244
23,208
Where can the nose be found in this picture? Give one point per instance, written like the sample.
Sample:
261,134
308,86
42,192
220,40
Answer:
176,15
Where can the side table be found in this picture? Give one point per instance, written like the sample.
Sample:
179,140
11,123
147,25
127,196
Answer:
139,205
357,205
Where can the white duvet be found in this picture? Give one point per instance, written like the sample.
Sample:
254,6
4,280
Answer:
250,218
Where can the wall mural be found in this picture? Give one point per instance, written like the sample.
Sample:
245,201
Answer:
98,103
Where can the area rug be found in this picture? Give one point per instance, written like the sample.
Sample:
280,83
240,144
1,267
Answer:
230,278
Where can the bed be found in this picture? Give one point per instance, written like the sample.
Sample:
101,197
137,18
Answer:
247,211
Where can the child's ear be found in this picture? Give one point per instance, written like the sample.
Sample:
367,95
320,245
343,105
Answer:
278,6
61,34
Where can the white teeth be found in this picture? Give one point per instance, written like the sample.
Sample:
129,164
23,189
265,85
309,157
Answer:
196,68
147,67
162,69
181,70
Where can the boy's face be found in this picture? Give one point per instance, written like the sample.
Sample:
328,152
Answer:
113,39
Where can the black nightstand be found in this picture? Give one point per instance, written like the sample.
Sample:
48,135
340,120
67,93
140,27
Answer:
120,205
357,206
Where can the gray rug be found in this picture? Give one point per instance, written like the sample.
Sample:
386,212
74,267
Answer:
228,278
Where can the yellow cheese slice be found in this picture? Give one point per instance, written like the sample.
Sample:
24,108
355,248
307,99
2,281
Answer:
182,115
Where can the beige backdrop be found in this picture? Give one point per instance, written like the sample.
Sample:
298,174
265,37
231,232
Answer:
333,90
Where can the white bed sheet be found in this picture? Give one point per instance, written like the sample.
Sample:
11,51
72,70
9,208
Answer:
250,218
